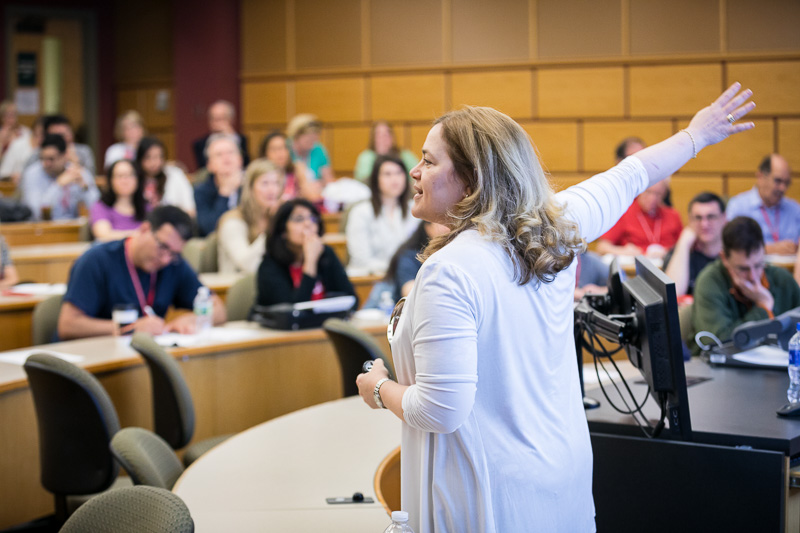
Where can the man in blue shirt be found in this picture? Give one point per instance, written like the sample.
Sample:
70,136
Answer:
778,216
222,190
145,270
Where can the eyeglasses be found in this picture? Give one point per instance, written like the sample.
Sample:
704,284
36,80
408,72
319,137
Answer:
395,318
299,219
163,248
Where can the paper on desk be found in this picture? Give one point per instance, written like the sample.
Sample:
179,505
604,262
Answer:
213,335
39,289
328,305
764,355
18,357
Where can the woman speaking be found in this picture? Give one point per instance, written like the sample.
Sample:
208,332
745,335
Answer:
494,435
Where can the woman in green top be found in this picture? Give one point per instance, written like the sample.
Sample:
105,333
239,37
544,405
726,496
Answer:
381,142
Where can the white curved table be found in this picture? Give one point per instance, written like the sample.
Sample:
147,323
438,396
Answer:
276,476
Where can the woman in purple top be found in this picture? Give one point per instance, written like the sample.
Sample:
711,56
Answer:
122,207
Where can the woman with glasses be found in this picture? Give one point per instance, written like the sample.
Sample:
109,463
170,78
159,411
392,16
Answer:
298,267
494,435
122,207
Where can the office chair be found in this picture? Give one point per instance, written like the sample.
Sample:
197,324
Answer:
353,347
139,509
44,322
241,297
76,421
173,408
146,457
209,255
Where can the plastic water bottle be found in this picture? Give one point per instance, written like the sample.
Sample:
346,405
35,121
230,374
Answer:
399,523
203,309
793,394
386,303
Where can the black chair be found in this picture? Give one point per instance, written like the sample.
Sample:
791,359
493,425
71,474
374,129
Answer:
76,422
132,510
173,409
353,347
146,457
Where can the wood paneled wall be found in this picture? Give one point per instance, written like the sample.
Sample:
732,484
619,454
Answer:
578,76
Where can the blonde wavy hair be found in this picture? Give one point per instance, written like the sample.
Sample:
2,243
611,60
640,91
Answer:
249,210
511,200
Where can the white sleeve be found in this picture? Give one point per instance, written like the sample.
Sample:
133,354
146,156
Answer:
598,203
357,231
178,190
444,341
244,254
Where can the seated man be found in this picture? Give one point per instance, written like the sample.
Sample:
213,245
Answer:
766,203
739,287
77,154
56,184
700,242
145,270
221,118
222,190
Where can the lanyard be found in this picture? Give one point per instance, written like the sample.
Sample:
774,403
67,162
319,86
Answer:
773,229
137,285
653,236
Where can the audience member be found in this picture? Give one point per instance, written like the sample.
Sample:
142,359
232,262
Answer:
381,142
77,153
128,130
275,148
10,128
145,270
8,273
298,267
164,184
591,276
778,216
628,146
221,120
55,184
377,227
121,208
243,231
739,286
20,152
304,131
221,191
647,227
700,242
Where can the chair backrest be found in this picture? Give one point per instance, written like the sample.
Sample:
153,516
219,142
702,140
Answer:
209,258
45,319
139,509
76,422
241,297
146,457
353,347
173,409
193,252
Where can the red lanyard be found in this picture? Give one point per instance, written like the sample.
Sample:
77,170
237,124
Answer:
653,236
137,285
773,229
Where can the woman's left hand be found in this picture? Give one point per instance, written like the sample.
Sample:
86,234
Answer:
366,382
714,123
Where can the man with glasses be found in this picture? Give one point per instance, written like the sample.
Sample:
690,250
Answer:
145,271
699,244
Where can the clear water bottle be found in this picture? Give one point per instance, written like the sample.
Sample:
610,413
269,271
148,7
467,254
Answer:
203,309
399,523
386,303
793,394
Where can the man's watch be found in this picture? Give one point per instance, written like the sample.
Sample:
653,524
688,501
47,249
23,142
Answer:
376,393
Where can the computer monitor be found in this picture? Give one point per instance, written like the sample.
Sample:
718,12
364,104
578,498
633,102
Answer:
617,303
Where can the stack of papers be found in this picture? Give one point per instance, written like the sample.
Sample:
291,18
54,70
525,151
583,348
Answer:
764,355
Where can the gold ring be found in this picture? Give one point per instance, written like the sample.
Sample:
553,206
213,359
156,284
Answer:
730,118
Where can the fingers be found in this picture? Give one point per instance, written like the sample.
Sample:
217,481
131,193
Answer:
729,93
738,100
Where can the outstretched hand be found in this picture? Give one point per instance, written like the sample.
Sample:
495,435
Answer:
712,124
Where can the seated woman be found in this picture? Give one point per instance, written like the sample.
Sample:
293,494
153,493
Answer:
298,267
164,184
8,273
121,208
274,147
128,130
381,142
375,229
243,231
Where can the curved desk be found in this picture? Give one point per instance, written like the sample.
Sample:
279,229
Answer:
277,475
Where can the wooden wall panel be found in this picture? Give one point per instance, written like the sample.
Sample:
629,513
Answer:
331,99
598,25
143,40
263,25
740,153
347,144
673,90
508,91
774,83
327,34
418,134
130,99
159,118
419,97
764,25
581,92
168,138
685,187
600,139
264,103
557,144
738,185
561,182
405,34
490,31
789,142
674,27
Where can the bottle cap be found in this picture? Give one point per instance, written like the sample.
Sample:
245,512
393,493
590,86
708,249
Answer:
399,516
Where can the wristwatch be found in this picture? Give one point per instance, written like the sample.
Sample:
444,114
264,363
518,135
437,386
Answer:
376,393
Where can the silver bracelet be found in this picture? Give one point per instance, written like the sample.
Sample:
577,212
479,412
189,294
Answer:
694,146
376,393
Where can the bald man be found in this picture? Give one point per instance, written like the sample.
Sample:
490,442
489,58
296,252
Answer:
221,119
